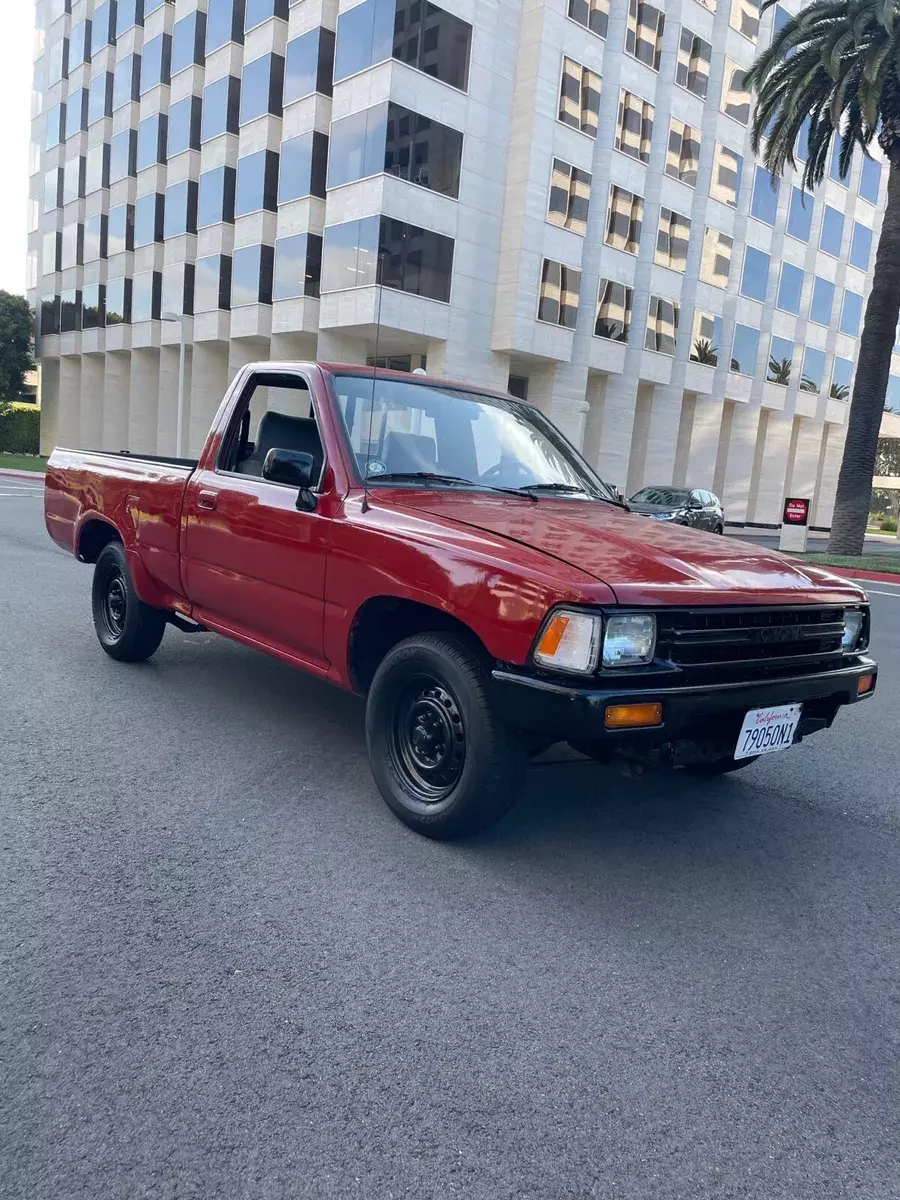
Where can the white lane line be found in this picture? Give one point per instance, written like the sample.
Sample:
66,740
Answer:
872,592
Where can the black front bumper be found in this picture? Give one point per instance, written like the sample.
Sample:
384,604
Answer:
710,715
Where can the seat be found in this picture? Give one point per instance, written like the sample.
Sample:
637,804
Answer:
405,452
279,431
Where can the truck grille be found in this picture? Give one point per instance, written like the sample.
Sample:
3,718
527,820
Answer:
721,645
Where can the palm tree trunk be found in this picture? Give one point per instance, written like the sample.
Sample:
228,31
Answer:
854,489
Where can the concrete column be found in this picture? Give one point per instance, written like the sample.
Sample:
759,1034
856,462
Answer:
336,346
143,411
832,453
458,359
593,422
49,405
70,402
246,350
663,422
293,347
91,401
569,406
209,381
766,504
619,401
167,409
807,445
701,467
540,388
116,400
739,454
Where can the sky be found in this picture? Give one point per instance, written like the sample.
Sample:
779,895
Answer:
16,68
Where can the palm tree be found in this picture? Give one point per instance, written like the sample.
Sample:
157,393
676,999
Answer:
779,371
836,65
705,352
839,391
807,384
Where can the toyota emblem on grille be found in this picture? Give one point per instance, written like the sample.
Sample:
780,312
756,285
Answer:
773,633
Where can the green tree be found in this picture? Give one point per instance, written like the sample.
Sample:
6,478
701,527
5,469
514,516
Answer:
836,67
16,333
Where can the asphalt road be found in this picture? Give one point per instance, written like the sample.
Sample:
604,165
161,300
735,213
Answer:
227,971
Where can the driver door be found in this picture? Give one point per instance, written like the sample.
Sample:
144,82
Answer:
254,565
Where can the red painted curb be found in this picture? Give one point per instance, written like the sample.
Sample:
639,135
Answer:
8,474
871,576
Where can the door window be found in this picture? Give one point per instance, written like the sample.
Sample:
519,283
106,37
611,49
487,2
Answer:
275,412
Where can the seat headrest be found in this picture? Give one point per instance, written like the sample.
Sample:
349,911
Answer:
409,452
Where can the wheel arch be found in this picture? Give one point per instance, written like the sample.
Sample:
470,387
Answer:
93,536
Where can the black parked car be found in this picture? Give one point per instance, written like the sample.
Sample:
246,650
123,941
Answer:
701,510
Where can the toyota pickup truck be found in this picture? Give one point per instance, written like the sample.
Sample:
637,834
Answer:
444,552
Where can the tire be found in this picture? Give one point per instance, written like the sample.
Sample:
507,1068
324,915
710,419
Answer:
721,766
443,760
128,629
720,529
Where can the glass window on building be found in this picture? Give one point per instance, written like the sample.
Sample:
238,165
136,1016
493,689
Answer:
216,195
262,88
357,146
212,283
755,274
103,26
579,97
624,220
860,246
800,215
71,252
126,81
120,229
415,260
123,155
118,302
298,266
706,338
95,245
151,141
735,94
350,255
634,131
54,126
365,36
892,395
156,64
644,33
221,107
841,378
726,175
148,219
79,45
692,64
570,197
744,350
812,377
433,41
146,296
851,313
257,183
251,275
224,23
309,65
672,239
53,187
662,325
615,302
51,252
821,304
303,165
258,11
764,202
128,14
832,231
77,113
781,361
178,288
782,16
73,179
560,285
189,42
834,165
151,6
184,126
49,316
58,62
683,152
423,151
181,208
870,180
100,97
790,288
745,18
715,257
70,312
592,14
93,312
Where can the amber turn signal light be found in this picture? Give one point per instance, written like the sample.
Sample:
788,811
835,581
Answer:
633,716
864,684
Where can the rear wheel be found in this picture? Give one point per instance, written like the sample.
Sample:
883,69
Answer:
444,762
127,629
720,766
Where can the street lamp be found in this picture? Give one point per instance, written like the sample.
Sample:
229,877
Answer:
170,316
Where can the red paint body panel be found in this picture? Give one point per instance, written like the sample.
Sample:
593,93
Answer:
234,552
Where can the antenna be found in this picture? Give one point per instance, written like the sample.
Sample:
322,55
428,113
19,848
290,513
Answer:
379,280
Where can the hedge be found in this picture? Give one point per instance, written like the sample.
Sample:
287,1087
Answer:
20,430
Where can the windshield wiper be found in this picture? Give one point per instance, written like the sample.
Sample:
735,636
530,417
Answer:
435,477
570,489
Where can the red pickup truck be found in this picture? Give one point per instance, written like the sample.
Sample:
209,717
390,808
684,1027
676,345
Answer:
446,553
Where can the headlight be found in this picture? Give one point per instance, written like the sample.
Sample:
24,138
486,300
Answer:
853,627
570,641
629,640
665,516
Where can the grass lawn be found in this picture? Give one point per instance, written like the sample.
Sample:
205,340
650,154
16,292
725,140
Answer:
22,462
888,564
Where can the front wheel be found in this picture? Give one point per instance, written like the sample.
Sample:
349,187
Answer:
442,758
128,629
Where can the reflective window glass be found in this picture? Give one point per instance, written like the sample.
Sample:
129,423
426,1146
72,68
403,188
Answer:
257,183
156,64
706,338
123,155
634,131
118,302
813,376
224,23
54,126
77,113
870,180
298,266
188,42
841,378
851,313
579,97
861,246
672,239
79,45
715,258
148,219
800,214
764,202
744,350
126,81
592,14
151,141
558,303
128,14
790,287
365,36
146,296
309,65
120,229
683,152
832,231
221,101
95,238
357,146
216,197
262,85
423,151
251,276
212,283
303,166
726,177
432,40
644,33
781,361
692,64
735,94
662,325
258,11
100,97
614,307
350,254
93,312
570,196
184,126
821,303
103,26
755,274
624,220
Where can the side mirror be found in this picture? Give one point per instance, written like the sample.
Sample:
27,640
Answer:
295,469
695,502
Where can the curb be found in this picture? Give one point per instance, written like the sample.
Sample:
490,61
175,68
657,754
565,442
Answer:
9,474
871,576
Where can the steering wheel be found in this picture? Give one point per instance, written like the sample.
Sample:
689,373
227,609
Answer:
502,468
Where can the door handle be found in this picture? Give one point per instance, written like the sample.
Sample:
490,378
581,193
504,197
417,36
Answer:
206,500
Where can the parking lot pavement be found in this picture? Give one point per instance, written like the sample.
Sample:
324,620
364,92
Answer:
227,971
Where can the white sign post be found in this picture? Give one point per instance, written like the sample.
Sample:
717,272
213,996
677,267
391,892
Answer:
794,525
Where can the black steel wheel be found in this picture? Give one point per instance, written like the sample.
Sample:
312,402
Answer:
128,629
443,760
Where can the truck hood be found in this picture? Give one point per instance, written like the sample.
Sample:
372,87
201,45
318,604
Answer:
643,562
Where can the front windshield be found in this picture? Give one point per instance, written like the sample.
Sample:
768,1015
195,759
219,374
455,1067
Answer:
661,495
416,430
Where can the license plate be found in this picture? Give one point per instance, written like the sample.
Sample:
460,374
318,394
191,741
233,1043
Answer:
766,730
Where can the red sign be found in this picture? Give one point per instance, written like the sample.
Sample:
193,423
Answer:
796,511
